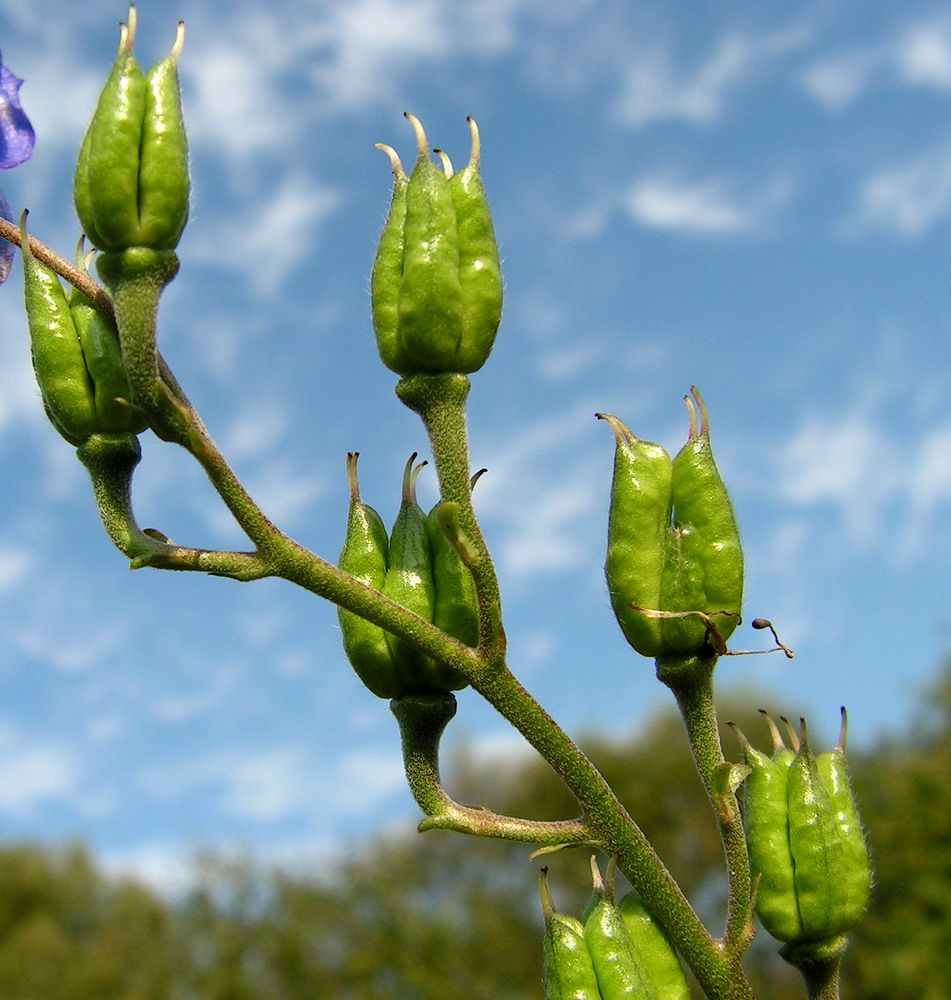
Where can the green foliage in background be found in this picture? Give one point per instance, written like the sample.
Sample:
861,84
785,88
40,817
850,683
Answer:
404,915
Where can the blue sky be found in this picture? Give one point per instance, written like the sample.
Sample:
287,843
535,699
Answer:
748,197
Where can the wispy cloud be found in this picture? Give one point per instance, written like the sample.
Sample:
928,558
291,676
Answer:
839,80
908,199
654,88
923,53
915,55
285,231
542,517
15,563
34,773
707,207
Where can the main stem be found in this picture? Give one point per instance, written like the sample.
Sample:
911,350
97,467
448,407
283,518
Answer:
690,678
440,401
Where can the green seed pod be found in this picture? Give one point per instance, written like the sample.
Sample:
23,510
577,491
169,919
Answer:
638,526
765,812
825,850
569,972
436,286
409,581
615,961
76,357
67,391
480,271
364,555
388,268
705,569
833,877
656,955
131,185
854,892
457,606
674,564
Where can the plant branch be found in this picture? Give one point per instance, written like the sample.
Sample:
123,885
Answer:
422,720
690,678
819,965
440,400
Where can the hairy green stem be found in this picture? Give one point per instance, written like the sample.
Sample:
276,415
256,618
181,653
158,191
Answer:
718,971
690,678
819,966
440,400
422,720
111,460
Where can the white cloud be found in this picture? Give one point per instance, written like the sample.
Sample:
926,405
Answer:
844,461
908,199
33,774
266,241
928,484
232,84
702,208
14,565
542,516
58,643
167,868
654,89
919,55
840,80
365,42
923,53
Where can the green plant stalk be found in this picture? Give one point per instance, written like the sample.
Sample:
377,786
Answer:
819,965
690,678
422,720
111,460
718,971
440,401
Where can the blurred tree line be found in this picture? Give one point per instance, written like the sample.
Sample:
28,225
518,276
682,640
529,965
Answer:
426,917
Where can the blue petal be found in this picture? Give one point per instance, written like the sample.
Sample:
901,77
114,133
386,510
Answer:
6,249
17,137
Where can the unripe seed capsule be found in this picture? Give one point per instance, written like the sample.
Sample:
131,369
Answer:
569,972
364,555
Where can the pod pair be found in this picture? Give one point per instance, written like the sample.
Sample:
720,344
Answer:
131,186
76,357
674,565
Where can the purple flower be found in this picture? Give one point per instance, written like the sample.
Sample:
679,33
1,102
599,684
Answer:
17,139
16,133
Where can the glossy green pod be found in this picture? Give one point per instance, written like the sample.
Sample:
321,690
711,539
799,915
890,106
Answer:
568,969
638,528
612,951
656,955
705,560
364,555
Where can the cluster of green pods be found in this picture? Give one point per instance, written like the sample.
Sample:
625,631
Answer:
674,563
618,951
131,186
436,286
418,567
76,357
807,847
